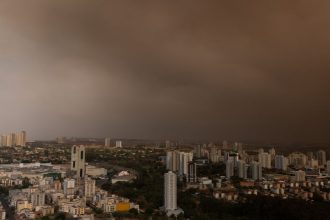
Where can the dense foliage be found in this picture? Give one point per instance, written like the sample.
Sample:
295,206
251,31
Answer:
254,208
146,190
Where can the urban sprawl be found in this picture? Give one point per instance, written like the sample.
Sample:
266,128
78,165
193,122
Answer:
70,178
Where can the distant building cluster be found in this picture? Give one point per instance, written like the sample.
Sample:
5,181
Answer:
178,162
107,143
13,139
296,175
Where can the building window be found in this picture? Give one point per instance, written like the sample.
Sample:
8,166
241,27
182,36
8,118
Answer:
81,172
74,150
74,164
82,155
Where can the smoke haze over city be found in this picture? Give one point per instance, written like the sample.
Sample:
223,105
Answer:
247,70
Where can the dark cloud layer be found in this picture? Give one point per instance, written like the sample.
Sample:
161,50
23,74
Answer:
243,70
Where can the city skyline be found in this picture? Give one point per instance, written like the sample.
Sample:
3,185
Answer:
166,70
164,109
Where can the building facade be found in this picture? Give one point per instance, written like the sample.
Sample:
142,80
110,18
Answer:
78,160
170,191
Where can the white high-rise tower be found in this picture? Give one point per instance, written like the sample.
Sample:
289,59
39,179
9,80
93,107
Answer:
170,191
107,142
170,194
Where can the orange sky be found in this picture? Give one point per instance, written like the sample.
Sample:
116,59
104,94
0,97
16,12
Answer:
239,70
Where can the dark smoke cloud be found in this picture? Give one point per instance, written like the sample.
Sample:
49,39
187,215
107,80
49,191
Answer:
245,70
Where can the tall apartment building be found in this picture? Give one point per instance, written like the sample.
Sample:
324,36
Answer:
215,154
107,142
192,172
198,151
119,144
177,161
256,169
265,160
242,169
89,187
281,162
78,160
229,169
184,159
13,139
297,159
321,157
172,160
20,139
170,191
